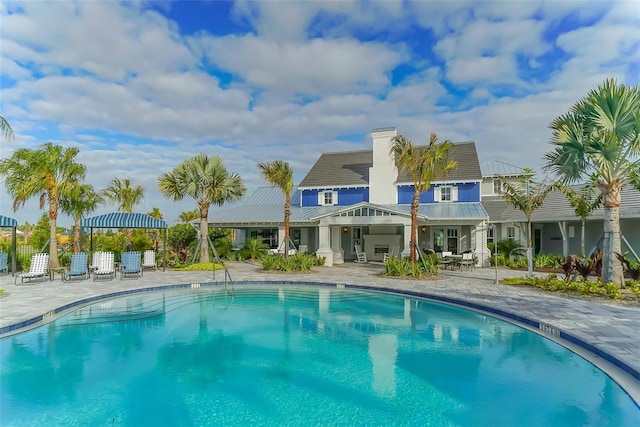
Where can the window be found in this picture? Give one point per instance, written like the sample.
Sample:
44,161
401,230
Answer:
490,233
328,198
511,233
497,186
445,193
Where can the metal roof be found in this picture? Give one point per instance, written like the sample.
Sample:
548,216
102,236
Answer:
498,168
123,220
453,211
5,221
265,196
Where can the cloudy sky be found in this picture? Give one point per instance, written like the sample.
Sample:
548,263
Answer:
141,86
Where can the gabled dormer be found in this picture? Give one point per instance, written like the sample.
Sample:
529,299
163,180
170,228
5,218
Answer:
494,172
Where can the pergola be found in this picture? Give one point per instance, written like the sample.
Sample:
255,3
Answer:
127,220
7,222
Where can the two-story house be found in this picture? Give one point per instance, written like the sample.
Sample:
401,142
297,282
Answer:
359,199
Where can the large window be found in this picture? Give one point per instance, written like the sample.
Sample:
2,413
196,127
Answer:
511,233
445,194
490,233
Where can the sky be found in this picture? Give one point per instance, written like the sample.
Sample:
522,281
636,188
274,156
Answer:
141,86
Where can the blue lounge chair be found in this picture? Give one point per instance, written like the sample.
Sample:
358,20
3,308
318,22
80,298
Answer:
4,262
130,265
78,268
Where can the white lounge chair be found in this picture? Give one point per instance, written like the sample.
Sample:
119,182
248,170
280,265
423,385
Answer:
105,266
37,269
149,260
360,256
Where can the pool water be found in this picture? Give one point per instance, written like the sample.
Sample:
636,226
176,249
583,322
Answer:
299,356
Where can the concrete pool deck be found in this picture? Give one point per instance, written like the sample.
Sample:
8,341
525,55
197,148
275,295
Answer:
610,332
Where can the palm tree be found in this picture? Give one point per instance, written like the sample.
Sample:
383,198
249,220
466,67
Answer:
155,235
78,202
155,213
126,196
48,172
600,136
423,164
188,216
207,180
527,196
583,202
5,129
279,174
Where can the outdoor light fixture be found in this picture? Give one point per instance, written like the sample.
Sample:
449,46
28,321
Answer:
345,229
423,229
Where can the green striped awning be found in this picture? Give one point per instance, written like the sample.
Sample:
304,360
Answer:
5,221
123,220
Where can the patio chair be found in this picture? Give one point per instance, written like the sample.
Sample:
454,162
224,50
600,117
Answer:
37,269
4,262
130,265
360,256
105,266
444,260
78,268
468,261
149,260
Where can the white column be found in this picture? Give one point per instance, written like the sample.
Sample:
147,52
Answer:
480,248
281,236
406,250
338,257
324,245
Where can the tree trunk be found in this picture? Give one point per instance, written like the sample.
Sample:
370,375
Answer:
76,238
415,203
529,250
204,233
53,239
611,267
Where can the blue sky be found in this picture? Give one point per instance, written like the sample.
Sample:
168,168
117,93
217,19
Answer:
141,86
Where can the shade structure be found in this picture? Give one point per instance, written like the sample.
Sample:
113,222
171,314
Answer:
5,221
126,220
123,220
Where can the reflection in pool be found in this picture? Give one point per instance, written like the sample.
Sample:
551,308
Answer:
285,355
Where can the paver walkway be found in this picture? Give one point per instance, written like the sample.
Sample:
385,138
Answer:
609,328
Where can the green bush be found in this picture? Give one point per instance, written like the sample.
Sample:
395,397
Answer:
293,263
403,267
202,266
553,284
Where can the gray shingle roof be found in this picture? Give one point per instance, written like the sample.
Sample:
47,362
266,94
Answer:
351,168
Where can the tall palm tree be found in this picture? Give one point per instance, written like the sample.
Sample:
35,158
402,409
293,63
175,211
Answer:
423,164
280,174
126,196
600,136
5,129
527,196
583,202
48,172
189,216
155,235
77,203
207,180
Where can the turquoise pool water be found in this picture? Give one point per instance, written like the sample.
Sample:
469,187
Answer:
299,356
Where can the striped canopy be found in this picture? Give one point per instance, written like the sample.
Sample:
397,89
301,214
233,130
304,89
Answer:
5,221
123,220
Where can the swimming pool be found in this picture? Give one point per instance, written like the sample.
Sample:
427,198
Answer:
287,355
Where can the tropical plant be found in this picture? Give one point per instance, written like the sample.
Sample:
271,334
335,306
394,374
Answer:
78,202
631,271
600,137
255,248
279,174
423,164
47,172
207,180
188,216
583,201
527,195
5,129
125,195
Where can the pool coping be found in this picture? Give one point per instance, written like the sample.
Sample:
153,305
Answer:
549,331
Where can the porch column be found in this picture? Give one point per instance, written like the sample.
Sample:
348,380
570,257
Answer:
480,247
406,250
281,236
562,225
338,254
324,245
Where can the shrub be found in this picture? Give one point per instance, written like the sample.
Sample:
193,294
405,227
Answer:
202,266
553,284
297,262
403,267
